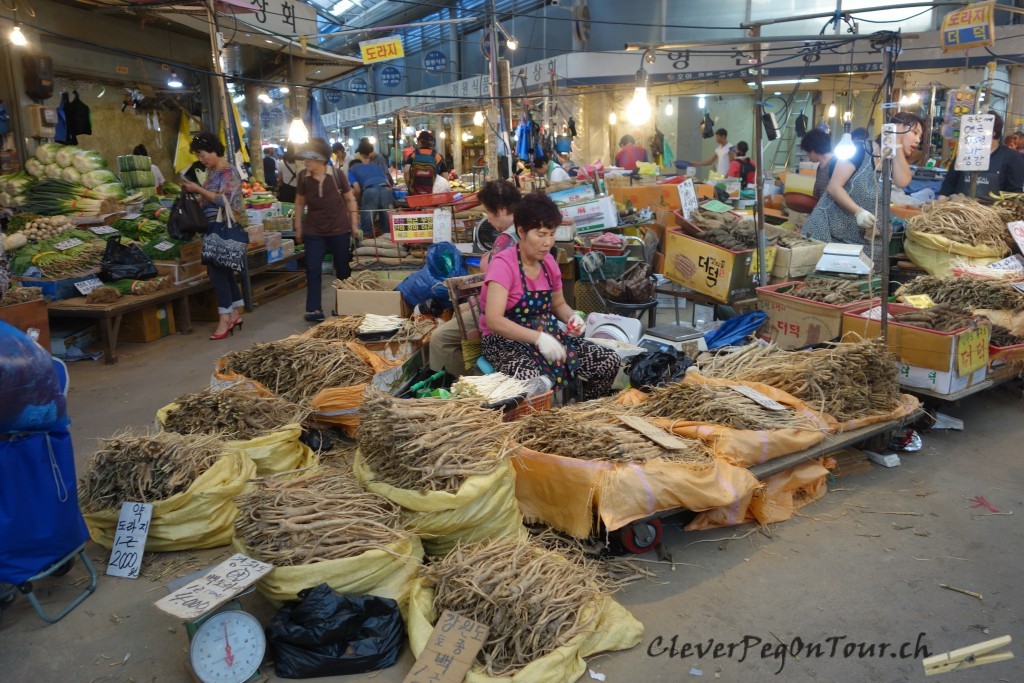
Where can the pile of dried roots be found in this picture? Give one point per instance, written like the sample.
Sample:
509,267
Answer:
346,327
967,222
835,292
717,405
846,381
323,515
428,444
969,293
532,600
145,468
587,434
232,413
1004,337
940,317
299,368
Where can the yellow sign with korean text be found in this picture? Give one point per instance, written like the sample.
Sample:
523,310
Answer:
381,49
972,350
919,300
969,27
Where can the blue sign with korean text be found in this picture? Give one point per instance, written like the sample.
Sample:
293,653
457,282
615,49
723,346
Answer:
435,62
359,85
390,76
333,96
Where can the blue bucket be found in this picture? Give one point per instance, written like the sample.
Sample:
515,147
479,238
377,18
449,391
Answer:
563,144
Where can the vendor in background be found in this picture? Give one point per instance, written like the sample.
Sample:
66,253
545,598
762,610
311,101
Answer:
323,191
366,153
721,157
818,146
222,191
158,177
499,199
741,166
543,166
846,212
270,168
287,170
339,157
372,185
524,304
1005,172
629,153
423,165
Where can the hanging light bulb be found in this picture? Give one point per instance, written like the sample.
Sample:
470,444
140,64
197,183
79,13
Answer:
442,135
373,139
512,43
845,149
612,119
17,37
639,109
832,110
349,141
478,118
297,132
174,81
264,97
701,102
283,89
245,124
669,109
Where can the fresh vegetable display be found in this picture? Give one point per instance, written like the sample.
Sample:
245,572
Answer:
40,227
98,177
170,188
162,248
59,256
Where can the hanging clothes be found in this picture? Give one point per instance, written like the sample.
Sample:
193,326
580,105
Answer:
657,146
78,118
61,134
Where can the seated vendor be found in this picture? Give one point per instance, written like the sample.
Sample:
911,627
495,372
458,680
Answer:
524,303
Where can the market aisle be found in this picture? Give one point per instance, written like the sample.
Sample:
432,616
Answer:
842,570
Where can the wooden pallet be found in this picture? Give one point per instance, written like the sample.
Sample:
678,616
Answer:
269,286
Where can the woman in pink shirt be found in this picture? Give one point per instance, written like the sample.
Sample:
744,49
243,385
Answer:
524,303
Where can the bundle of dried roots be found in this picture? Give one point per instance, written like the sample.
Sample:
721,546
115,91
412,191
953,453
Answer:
969,293
232,413
717,405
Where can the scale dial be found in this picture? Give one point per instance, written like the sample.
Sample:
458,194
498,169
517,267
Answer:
228,648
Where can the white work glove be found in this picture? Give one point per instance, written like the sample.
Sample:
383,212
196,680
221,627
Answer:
575,326
865,219
549,347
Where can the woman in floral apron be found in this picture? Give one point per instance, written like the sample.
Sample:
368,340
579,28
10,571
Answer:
523,304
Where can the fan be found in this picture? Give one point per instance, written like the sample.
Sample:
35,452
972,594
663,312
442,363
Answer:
484,236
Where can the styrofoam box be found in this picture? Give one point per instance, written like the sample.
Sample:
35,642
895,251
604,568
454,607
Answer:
948,382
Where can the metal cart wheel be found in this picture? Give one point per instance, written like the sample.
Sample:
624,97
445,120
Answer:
641,536
64,568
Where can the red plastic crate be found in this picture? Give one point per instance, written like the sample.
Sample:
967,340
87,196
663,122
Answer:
416,201
603,248
468,201
531,405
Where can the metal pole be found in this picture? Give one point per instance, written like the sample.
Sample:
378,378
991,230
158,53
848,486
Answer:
762,242
495,107
222,85
883,203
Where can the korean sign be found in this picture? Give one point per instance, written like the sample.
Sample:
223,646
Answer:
214,588
975,146
381,49
281,18
968,27
435,62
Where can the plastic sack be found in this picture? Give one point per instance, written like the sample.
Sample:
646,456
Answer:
610,627
201,516
40,521
652,369
484,507
735,330
31,398
936,253
442,262
125,262
330,634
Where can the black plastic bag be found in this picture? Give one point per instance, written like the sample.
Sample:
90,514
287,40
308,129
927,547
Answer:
125,262
326,633
653,369
186,219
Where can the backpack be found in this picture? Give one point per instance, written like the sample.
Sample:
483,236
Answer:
422,171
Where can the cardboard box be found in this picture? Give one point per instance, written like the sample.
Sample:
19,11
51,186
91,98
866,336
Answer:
596,214
348,302
29,315
948,382
272,239
794,262
572,195
643,196
274,255
794,323
180,272
723,275
256,234
71,335
920,347
191,251
260,215
149,324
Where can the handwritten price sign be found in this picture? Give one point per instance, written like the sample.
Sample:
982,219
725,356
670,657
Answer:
1016,229
688,198
972,350
214,588
975,145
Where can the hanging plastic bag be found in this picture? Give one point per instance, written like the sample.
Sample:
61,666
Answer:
125,262
330,634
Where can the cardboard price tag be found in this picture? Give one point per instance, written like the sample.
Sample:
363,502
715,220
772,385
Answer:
919,300
214,588
86,286
68,244
757,397
972,350
688,198
130,540
102,230
451,650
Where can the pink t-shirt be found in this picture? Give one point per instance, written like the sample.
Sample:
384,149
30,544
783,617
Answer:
503,268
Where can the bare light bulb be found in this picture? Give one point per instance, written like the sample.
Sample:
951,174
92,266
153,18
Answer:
512,44
612,119
372,139
174,81
832,111
283,89
478,118
845,149
442,135
17,37
701,102
297,132
669,109
264,98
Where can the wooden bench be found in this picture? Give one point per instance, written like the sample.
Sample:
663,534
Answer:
108,316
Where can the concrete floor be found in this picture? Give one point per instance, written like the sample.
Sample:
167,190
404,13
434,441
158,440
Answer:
848,570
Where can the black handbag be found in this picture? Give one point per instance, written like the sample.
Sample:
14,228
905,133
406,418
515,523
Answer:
125,262
187,218
225,242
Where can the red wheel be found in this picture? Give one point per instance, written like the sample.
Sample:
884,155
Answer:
641,536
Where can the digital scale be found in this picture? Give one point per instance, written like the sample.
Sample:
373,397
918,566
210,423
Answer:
674,335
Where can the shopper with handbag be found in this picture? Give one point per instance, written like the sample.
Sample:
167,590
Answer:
223,247
323,192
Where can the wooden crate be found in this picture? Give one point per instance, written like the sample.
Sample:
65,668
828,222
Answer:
31,314
269,286
181,272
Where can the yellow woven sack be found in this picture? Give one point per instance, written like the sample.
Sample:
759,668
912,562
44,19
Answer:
934,253
339,406
484,507
386,573
611,627
202,516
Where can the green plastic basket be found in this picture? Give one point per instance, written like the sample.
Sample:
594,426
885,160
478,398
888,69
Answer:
614,266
